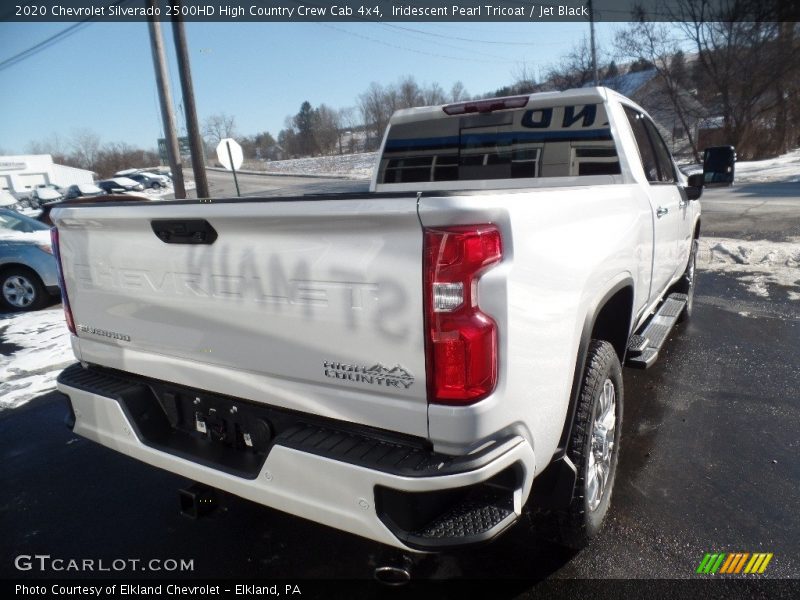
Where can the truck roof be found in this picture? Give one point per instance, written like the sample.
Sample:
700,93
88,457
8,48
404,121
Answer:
576,95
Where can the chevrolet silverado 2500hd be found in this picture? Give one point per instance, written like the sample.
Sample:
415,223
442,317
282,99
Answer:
418,365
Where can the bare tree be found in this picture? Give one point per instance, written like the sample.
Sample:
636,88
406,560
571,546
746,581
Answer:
575,68
655,44
349,123
748,68
458,93
257,146
524,79
433,94
288,139
409,93
85,149
54,146
326,130
217,127
377,105
117,156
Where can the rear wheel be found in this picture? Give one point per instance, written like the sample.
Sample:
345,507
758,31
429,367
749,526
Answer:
593,448
21,289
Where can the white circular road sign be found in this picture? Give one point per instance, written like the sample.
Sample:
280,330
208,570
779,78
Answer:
235,152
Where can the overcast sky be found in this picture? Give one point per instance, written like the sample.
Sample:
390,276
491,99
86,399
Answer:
101,77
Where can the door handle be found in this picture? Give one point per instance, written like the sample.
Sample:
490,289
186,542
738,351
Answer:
188,231
661,211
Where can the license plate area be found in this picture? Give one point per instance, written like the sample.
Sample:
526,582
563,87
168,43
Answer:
217,431
219,421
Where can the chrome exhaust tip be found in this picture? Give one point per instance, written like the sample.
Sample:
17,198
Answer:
392,575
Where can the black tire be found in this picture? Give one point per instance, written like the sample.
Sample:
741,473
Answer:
27,280
686,285
155,185
579,522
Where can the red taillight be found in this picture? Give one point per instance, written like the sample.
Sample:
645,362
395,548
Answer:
461,341
484,106
61,285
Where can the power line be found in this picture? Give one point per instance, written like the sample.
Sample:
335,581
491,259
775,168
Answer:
61,35
461,48
53,39
471,40
407,49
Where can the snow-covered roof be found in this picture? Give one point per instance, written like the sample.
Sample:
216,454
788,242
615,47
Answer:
712,123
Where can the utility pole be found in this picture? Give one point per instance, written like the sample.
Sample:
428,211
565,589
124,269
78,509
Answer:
165,99
594,47
192,128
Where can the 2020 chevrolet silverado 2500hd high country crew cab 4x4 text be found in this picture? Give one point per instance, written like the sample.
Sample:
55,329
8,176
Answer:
417,364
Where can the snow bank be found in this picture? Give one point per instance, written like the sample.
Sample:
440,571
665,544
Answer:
45,350
33,237
354,166
754,262
784,168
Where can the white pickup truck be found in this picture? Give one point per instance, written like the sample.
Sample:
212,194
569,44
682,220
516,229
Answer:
420,364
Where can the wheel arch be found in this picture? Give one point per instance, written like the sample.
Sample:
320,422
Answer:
610,316
9,266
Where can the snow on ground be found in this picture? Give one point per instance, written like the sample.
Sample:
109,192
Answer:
352,166
784,168
781,169
35,237
45,349
754,262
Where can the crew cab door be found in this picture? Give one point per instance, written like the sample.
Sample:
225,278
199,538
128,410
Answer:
666,200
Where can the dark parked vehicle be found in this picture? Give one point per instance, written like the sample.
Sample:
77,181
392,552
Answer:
119,185
83,189
44,195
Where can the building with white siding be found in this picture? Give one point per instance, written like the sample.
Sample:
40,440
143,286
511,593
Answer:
22,174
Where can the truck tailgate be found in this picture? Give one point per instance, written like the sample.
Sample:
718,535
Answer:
311,305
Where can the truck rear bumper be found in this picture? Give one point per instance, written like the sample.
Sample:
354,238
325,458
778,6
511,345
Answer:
361,481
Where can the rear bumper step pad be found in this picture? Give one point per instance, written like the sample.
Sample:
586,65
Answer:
143,400
424,500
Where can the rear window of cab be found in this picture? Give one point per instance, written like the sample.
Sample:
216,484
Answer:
555,141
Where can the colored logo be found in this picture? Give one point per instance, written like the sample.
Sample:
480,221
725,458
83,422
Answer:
737,562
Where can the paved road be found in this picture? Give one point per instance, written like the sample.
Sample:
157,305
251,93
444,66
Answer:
754,211
708,462
221,185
